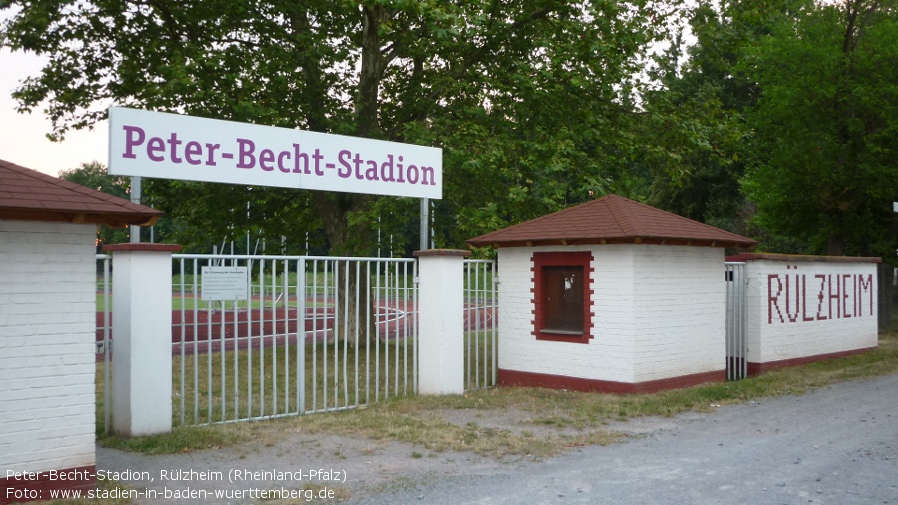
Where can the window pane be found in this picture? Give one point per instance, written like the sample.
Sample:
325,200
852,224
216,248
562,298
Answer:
563,298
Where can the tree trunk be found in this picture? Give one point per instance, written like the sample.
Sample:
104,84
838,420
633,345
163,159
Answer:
357,316
353,295
336,209
835,245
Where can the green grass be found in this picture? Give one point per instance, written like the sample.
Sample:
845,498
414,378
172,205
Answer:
547,419
383,370
209,396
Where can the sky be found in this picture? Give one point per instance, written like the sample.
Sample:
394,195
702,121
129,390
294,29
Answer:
23,138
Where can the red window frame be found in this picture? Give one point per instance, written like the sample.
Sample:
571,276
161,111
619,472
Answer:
540,260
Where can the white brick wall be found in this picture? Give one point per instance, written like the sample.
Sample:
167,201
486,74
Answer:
659,313
771,339
680,312
47,306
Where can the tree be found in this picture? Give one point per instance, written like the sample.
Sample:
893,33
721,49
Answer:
528,98
825,127
95,176
711,95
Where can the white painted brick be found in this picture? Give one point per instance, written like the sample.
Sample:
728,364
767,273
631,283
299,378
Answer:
46,336
659,313
770,340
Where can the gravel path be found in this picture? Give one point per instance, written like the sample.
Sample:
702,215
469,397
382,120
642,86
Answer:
838,446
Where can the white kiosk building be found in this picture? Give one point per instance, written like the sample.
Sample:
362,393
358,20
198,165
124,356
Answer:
611,295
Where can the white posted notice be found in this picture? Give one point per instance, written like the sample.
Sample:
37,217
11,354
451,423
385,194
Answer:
225,283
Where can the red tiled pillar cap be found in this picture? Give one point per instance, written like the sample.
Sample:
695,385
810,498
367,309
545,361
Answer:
441,252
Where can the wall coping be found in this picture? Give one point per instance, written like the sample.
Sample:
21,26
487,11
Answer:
441,252
141,247
802,258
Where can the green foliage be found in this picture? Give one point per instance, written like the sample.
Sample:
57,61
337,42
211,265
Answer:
212,214
791,107
708,96
825,142
532,102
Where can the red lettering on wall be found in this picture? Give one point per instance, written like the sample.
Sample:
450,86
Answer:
865,287
829,291
832,288
792,318
804,300
772,298
845,313
820,297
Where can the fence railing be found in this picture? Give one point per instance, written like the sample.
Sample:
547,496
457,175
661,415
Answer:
104,331
481,328
312,334
736,344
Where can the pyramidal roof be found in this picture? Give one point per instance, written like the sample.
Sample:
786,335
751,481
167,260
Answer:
611,220
28,195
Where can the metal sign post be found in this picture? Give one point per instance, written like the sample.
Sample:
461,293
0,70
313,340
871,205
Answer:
135,198
425,220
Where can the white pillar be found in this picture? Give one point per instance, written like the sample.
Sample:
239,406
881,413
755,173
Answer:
441,349
141,348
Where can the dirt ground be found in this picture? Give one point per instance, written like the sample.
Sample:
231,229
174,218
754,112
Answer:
351,467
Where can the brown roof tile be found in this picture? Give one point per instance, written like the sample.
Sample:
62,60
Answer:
28,195
611,219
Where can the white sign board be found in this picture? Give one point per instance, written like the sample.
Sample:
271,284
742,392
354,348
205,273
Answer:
172,146
225,283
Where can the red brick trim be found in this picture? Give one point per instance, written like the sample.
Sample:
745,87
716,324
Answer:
532,379
142,247
579,258
37,486
792,258
759,368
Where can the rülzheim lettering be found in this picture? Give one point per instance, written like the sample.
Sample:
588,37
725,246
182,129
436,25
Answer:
797,297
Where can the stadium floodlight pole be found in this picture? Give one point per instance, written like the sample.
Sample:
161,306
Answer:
135,198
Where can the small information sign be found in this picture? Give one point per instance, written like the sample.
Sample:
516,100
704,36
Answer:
225,283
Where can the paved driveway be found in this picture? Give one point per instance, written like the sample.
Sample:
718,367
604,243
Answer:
836,446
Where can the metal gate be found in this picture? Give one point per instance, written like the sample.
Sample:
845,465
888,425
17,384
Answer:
314,334
481,325
736,282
